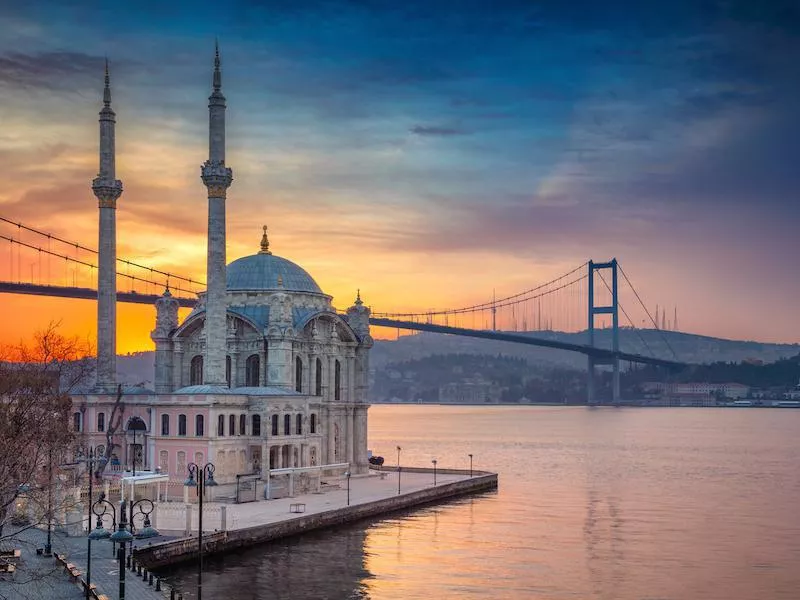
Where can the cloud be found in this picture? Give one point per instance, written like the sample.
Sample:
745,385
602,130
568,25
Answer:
49,70
434,131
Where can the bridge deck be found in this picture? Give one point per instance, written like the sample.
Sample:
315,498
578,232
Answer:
599,354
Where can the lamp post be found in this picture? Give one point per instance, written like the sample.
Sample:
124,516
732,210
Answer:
200,477
470,465
434,461
91,460
121,536
134,425
398,470
347,474
48,547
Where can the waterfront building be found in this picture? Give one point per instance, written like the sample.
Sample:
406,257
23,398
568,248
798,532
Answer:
263,374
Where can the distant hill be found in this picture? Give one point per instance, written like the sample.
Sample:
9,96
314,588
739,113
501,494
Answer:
687,347
138,367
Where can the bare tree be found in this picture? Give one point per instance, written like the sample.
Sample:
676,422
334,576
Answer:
114,424
35,412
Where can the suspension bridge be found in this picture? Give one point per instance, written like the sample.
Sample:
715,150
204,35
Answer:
582,300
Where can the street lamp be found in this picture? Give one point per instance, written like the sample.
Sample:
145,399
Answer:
134,425
48,547
91,460
121,536
347,474
470,465
434,461
398,470
200,477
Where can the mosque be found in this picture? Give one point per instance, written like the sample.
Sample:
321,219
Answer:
263,375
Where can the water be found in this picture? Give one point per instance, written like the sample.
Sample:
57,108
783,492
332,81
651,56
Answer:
622,504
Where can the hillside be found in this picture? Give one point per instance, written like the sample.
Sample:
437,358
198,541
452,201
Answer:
138,367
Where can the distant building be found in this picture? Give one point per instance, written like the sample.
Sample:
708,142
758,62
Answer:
470,391
694,389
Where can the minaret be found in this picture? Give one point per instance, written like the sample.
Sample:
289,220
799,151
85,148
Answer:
217,178
107,189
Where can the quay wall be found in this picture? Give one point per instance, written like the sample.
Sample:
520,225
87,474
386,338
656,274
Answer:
185,549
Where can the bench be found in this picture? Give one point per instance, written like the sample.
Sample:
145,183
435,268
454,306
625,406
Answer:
297,507
10,553
102,597
7,568
74,573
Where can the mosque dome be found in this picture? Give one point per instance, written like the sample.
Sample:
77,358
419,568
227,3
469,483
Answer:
265,271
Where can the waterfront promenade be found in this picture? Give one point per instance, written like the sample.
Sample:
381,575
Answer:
171,517
171,520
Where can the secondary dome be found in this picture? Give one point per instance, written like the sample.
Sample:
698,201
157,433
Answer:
265,271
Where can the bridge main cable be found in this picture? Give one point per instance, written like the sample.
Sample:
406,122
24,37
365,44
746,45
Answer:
90,265
77,246
499,303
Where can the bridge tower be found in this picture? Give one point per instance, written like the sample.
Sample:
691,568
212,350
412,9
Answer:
217,179
612,310
107,189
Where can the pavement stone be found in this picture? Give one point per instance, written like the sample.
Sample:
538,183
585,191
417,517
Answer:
37,577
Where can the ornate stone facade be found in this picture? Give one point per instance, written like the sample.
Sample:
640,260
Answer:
263,374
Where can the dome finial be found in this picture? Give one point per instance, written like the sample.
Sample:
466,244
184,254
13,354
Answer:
358,298
264,243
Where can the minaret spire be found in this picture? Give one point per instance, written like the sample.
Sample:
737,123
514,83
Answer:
107,89
107,189
217,83
217,179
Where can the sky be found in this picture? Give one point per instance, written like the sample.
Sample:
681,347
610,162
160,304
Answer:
425,152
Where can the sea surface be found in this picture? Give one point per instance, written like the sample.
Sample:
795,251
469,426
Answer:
593,503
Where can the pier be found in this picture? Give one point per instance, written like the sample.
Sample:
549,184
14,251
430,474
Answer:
370,496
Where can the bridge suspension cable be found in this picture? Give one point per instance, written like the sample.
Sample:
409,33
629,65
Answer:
93,266
647,312
624,312
77,246
511,300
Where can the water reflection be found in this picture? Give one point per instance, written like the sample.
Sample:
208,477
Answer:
330,564
673,504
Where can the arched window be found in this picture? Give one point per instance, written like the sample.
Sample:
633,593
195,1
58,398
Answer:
232,425
228,370
287,424
252,369
101,421
337,381
274,424
298,374
299,425
242,424
256,425
163,461
313,424
221,425
76,421
164,424
181,462
181,424
318,390
199,425
196,371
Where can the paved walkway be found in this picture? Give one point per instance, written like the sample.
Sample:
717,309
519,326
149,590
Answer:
105,568
36,577
363,488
